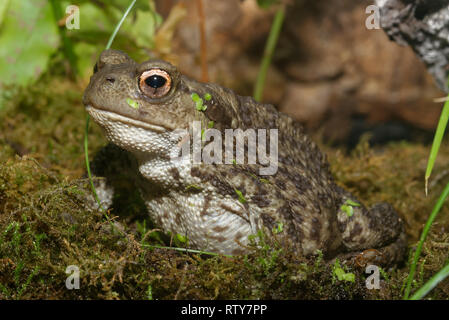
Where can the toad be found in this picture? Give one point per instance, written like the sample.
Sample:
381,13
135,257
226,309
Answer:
148,111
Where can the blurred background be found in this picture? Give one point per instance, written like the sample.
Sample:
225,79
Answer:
328,71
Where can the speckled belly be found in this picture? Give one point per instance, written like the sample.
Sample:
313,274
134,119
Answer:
209,224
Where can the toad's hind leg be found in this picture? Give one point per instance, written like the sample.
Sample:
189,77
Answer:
378,228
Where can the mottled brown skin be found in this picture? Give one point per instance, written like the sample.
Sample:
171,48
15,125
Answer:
302,195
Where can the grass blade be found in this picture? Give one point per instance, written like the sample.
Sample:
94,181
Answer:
119,25
86,157
442,123
423,237
86,143
185,250
268,52
432,283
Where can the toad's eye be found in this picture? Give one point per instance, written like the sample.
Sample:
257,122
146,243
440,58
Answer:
155,83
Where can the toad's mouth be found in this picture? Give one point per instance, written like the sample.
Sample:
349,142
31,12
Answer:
101,116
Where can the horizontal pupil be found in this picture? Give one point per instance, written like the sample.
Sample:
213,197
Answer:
155,81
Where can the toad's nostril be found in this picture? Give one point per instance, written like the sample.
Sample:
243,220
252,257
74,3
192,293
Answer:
110,79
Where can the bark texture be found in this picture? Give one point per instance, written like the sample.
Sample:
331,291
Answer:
423,25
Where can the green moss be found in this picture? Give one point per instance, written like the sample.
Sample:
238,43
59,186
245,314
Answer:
47,120
339,273
47,227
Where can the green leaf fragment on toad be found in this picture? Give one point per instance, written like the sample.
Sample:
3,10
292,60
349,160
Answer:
348,207
193,186
240,195
198,102
207,96
352,203
181,238
203,136
210,124
199,105
195,97
132,103
279,228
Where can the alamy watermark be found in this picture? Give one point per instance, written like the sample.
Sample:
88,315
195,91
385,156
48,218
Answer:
73,280
372,281
72,20
207,147
373,20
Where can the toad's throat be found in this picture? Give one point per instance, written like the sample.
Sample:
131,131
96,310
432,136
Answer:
99,114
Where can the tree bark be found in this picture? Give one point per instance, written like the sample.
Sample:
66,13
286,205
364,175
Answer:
424,26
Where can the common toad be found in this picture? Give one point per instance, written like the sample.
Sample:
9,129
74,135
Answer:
217,206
